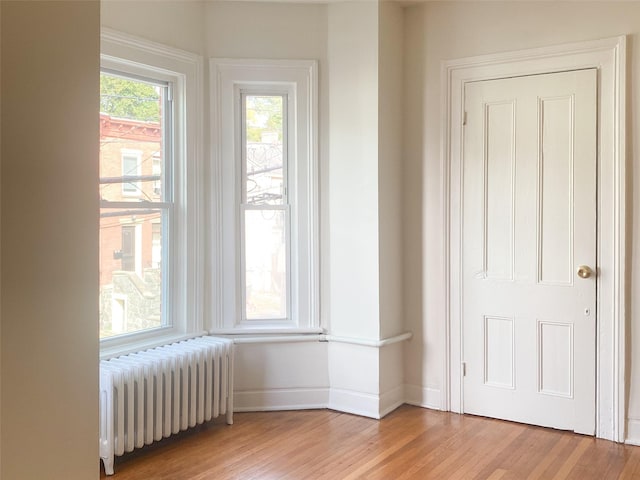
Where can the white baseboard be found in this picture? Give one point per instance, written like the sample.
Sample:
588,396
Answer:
633,431
358,403
391,400
280,399
423,397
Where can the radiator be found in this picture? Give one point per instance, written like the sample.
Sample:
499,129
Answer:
150,395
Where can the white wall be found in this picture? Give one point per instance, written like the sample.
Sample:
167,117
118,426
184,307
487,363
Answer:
422,260
179,24
281,376
353,170
365,230
49,224
390,128
448,30
266,30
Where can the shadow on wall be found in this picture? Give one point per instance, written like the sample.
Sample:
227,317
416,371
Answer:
629,215
413,204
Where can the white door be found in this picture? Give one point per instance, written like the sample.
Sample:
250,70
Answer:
529,223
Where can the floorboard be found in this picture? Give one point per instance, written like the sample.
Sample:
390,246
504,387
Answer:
410,443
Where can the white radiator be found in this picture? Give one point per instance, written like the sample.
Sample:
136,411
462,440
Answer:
152,394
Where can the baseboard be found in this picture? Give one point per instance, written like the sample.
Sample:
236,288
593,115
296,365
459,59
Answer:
423,397
391,400
280,399
633,431
358,403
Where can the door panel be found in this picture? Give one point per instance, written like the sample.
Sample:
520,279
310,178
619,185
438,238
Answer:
529,221
555,191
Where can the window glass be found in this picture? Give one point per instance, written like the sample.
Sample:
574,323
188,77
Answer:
134,209
132,127
266,223
264,154
265,264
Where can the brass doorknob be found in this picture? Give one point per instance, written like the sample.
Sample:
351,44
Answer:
584,271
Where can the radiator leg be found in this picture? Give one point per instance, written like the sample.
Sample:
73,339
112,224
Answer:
229,416
230,386
108,465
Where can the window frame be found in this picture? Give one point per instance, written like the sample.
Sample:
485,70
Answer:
182,294
297,80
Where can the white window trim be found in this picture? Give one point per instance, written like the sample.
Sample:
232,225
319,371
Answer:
228,77
133,55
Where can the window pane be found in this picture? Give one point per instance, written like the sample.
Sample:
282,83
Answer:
131,139
130,270
264,155
265,265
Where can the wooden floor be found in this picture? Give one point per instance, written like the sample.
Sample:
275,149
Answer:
410,443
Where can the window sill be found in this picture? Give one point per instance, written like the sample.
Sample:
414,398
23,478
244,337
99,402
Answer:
265,331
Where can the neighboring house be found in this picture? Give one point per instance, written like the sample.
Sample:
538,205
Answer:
130,242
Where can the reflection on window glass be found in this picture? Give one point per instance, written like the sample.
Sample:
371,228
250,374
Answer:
264,155
265,264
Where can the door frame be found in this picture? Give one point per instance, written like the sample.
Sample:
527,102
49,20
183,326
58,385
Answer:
608,56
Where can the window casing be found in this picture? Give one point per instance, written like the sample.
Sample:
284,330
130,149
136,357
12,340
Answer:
158,205
265,210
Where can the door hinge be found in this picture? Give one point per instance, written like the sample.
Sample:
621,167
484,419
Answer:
464,369
464,118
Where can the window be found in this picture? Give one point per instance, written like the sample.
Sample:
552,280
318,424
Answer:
128,250
267,207
264,209
131,164
135,115
149,281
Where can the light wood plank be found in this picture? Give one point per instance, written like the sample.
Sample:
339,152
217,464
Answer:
411,443
573,459
497,475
